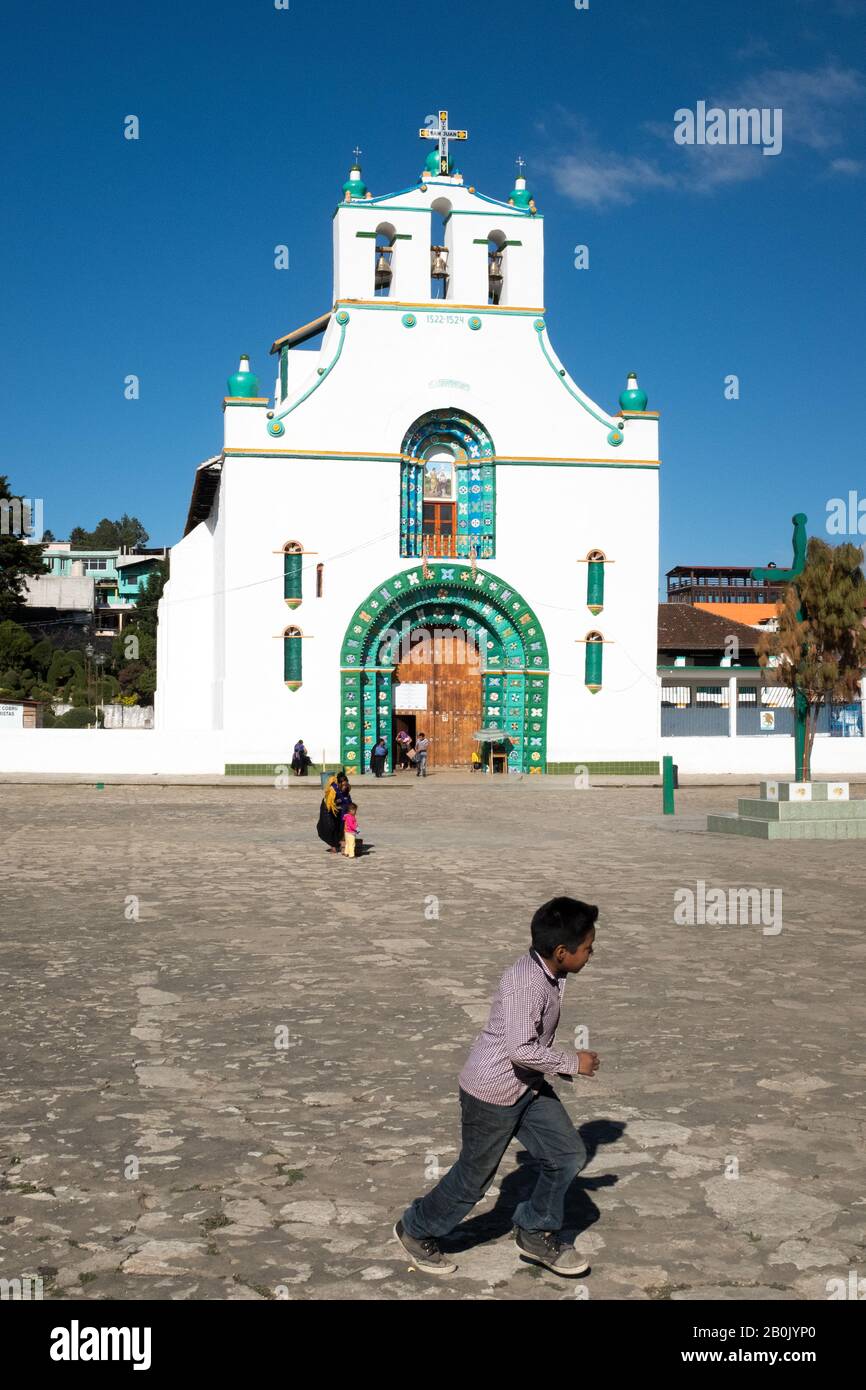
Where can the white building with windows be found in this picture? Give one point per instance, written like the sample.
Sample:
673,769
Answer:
429,525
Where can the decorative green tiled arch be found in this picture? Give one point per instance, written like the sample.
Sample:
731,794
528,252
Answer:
475,464
515,660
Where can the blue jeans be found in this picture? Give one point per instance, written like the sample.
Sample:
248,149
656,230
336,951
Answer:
421,764
540,1121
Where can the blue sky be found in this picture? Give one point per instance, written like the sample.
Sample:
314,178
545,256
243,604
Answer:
156,256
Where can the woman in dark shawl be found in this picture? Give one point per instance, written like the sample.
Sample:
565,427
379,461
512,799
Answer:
300,759
335,802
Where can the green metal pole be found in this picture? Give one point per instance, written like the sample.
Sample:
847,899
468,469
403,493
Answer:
668,785
770,574
801,772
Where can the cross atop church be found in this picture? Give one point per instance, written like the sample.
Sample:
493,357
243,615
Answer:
357,153
443,135
521,165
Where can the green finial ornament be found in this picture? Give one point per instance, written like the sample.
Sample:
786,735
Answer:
632,398
520,196
354,187
243,382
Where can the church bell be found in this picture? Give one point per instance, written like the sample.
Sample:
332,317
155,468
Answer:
438,263
494,276
384,273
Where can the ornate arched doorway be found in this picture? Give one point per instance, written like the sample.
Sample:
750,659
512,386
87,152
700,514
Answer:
453,609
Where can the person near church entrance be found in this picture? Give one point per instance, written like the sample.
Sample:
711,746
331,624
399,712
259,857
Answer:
475,760
300,759
350,831
335,803
378,756
422,748
505,1095
404,745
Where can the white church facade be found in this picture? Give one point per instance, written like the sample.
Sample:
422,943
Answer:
429,525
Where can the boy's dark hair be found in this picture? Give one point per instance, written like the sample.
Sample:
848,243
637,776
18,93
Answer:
562,922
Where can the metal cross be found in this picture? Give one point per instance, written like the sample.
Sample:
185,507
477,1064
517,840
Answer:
357,153
521,165
443,135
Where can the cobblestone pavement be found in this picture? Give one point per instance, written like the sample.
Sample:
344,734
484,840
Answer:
235,1095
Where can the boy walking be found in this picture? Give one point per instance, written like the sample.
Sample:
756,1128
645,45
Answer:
422,748
504,1096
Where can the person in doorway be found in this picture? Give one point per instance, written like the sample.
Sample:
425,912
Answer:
378,756
335,802
350,831
475,760
505,1095
404,743
300,759
422,748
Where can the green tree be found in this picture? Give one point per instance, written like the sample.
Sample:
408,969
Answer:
110,535
18,562
821,642
134,650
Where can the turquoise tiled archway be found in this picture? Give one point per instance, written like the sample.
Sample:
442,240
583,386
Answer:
516,675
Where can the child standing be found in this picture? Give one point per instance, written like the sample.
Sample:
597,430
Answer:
350,830
504,1095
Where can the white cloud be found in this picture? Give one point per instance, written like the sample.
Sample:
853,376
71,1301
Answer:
818,107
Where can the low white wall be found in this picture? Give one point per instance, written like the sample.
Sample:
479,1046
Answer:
98,751
770,755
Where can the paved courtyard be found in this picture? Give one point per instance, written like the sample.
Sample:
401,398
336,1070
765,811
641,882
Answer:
229,1060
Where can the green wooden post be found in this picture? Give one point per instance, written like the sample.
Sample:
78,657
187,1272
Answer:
668,785
775,576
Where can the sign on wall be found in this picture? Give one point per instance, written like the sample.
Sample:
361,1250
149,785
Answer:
11,716
410,695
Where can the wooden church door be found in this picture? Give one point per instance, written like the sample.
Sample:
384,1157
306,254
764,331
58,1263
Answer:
448,664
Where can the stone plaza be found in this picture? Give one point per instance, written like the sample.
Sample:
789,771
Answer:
230,1060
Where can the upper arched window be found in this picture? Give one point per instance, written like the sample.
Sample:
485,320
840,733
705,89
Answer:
448,487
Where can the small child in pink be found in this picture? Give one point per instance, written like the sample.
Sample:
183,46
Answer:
350,830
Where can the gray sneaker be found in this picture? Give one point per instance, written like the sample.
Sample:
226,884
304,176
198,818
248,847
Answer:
425,1254
545,1248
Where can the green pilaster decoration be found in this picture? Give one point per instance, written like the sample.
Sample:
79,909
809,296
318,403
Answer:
352,718
593,662
284,373
384,710
802,773
292,661
292,580
368,693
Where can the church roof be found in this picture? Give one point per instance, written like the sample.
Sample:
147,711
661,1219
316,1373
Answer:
304,333
204,490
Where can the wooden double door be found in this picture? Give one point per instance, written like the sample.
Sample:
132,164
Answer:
448,664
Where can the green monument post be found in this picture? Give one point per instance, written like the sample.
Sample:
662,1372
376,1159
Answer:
789,577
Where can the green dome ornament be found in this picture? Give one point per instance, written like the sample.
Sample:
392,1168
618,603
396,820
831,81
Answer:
632,398
431,164
355,187
520,196
243,382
